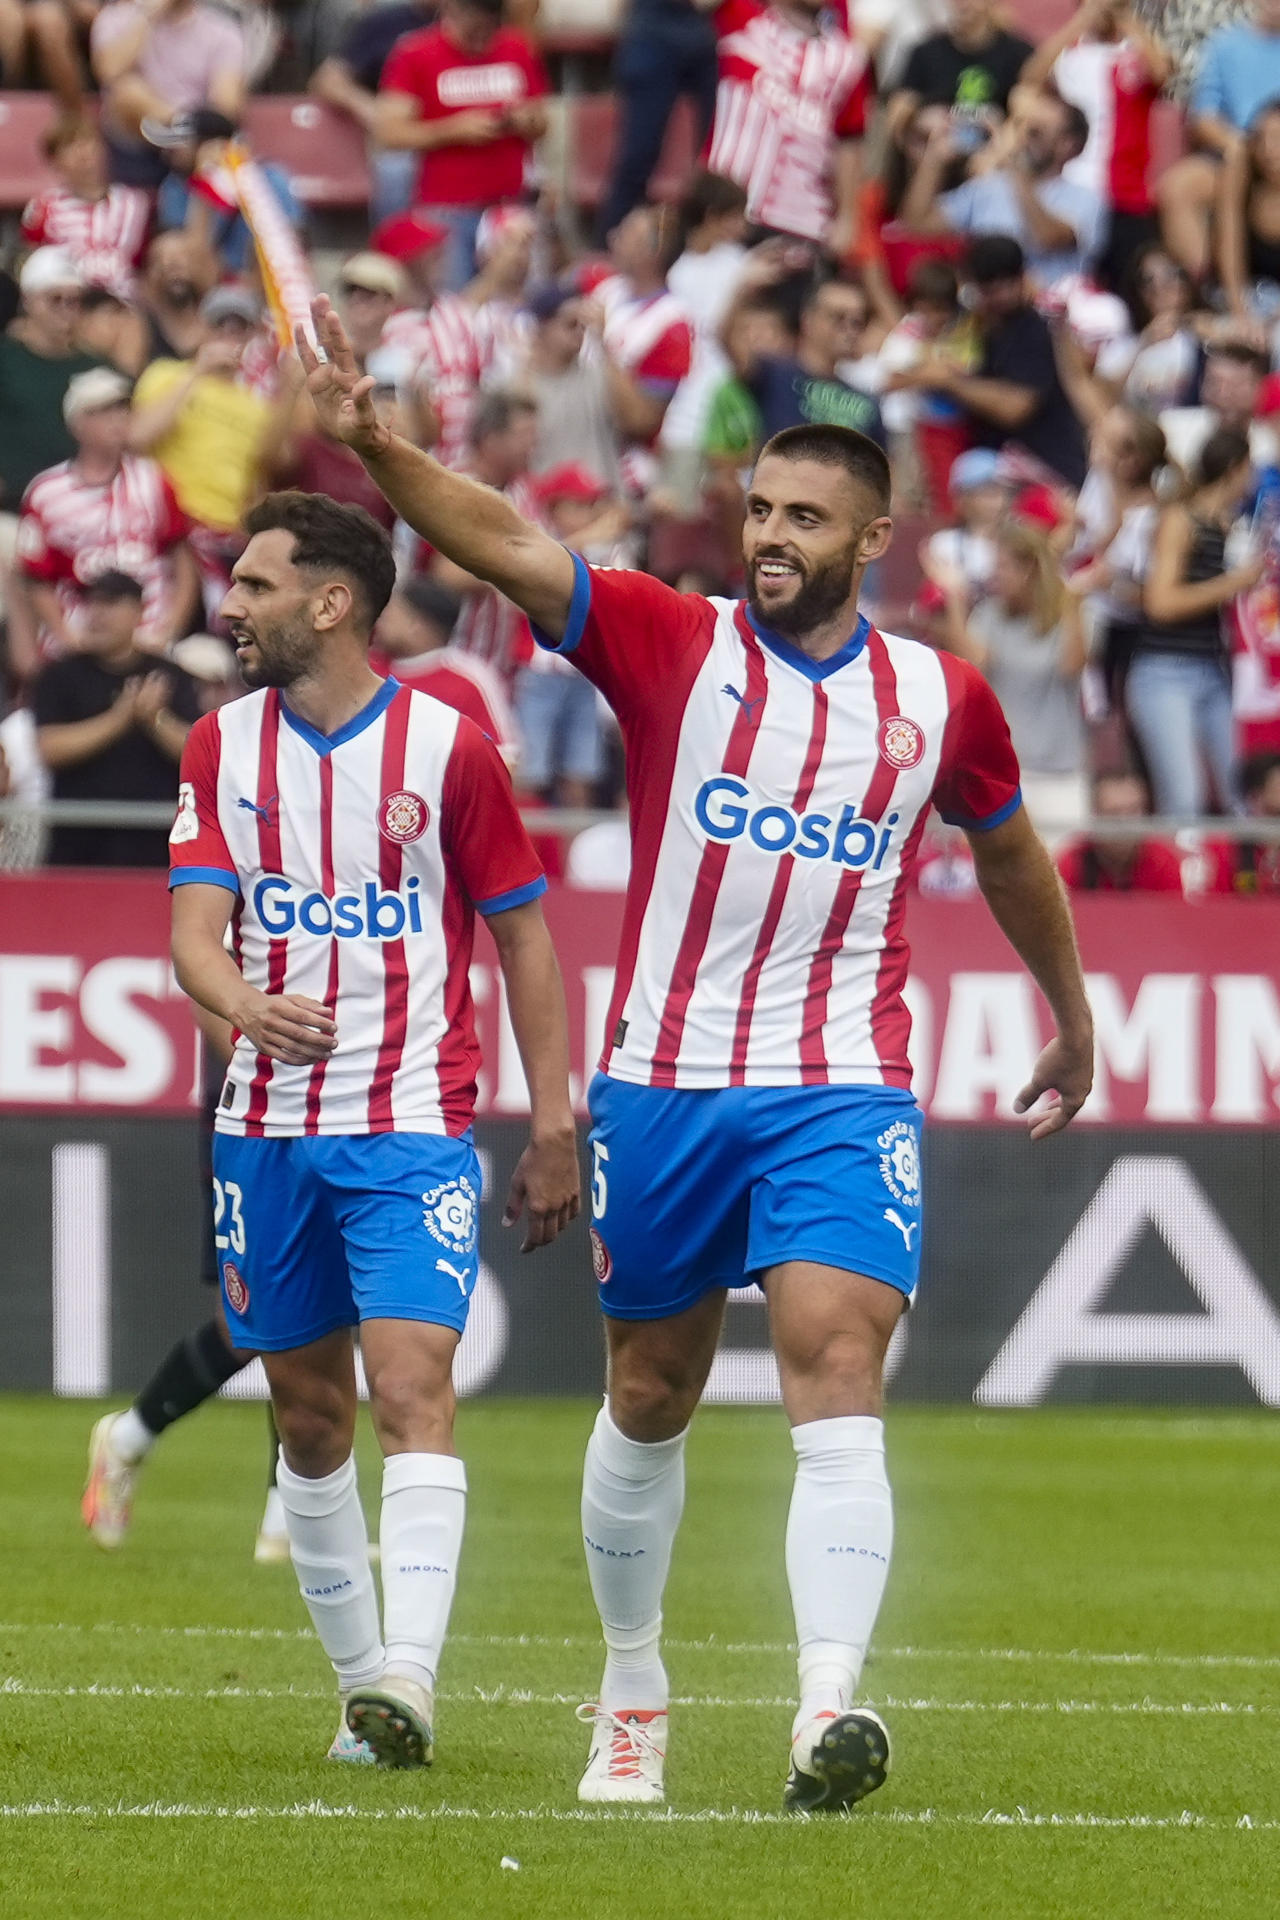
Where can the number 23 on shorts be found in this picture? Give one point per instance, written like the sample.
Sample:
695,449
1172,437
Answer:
227,1198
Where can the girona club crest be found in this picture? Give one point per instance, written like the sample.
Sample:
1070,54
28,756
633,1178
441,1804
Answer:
601,1260
901,743
237,1292
403,816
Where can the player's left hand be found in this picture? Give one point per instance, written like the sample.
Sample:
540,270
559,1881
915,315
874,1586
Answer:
546,1186
1064,1071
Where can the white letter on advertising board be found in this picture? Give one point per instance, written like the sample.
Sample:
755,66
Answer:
989,1044
1157,1039
28,1029
140,1042
1248,1046
1062,1326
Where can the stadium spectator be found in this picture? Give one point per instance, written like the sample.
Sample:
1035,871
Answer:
445,350
1250,869
703,278
929,428
1129,457
666,50
1156,366
804,387
1022,190
572,386
195,194
103,226
24,782
504,431
966,550
213,436
644,332
105,511
791,112
506,242
179,272
371,287
349,80
968,71
1026,635
755,328
1132,864
155,62
466,95
1238,74
1230,394
1016,394
1248,222
1106,63
891,30
39,358
1179,688
413,641
111,724
50,35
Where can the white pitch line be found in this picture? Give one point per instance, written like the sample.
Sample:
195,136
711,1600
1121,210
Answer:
585,1816
13,1688
1071,1656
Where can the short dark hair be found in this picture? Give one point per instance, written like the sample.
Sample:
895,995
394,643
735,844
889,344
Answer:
842,282
1075,124
710,194
1225,450
1241,354
331,538
863,461
935,281
496,410
1258,768
430,601
994,256
114,584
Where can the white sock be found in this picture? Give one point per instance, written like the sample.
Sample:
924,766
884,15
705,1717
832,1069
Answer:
330,1549
131,1437
839,1539
424,1504
632,1499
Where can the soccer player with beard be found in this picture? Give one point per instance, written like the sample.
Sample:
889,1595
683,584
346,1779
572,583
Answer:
349,830
753,1117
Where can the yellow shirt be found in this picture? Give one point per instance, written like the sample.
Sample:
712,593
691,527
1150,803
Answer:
211,452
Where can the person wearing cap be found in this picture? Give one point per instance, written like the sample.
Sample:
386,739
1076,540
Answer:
105,510
371,287
1016,394
111,725
466,95
577,420
102,225
154,60
209,431
194,146
979,498
39,357
413,641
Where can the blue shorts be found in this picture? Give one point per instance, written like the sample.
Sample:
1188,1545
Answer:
318,1232
696,1190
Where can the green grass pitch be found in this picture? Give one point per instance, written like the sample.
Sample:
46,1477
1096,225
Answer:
1078,1659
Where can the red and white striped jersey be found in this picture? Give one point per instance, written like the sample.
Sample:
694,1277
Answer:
464,682
785,97
450,355
106,237
358,861
70,532
1111,83
777,805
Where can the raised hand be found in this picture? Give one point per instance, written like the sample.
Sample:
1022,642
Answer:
341,395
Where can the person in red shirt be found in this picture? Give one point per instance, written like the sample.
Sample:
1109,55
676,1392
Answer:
412,642
467,95
1121,866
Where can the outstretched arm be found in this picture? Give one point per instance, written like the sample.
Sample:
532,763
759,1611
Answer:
1023,891
468,523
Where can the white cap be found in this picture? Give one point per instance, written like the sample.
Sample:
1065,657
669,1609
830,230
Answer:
90,392
47,268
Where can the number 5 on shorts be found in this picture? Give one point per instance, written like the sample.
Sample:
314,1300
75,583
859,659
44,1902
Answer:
599,1180
227,1194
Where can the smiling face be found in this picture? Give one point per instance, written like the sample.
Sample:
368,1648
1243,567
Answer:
810,531
272,610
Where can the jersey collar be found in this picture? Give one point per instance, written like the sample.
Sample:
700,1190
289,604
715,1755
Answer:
796,656
324,743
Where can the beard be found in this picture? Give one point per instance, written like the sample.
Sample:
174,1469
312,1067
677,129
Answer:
283,657
818,598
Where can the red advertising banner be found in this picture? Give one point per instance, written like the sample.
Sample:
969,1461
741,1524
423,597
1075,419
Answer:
1186,1000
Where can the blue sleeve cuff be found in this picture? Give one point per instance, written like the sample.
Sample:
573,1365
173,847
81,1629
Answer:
518,897
579,608
204,876
990,820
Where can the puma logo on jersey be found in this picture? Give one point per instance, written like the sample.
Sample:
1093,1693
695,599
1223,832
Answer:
264,811
748,706
905,1227
442,1266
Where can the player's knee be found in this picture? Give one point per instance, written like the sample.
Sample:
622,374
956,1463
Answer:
412,1411
315,1431
653,1405
838,1373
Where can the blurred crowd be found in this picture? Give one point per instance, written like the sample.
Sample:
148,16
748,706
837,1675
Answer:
1045,277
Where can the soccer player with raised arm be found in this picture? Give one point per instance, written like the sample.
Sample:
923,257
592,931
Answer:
753,1117
349,831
